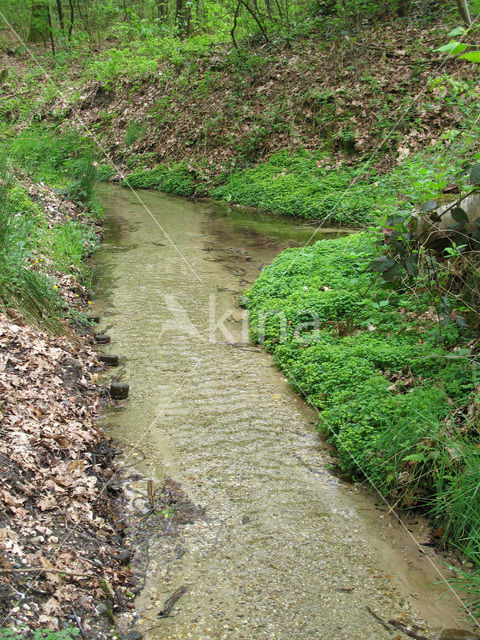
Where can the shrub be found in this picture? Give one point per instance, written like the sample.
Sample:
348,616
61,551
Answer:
293,184
105,172
176,179
384,388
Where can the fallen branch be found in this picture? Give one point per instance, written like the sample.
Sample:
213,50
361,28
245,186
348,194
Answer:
406,630
168,606
79,624
378,619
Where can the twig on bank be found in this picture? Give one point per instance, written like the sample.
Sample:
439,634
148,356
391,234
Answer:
79,624
150,495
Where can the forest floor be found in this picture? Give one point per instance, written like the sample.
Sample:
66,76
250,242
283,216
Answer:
213,109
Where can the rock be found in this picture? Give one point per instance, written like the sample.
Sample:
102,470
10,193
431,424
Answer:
245,519
133,635
108,360
102,338
102,609
451,188
119,390
123,556
459,634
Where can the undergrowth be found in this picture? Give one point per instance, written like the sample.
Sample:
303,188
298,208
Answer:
176,179
395,391
298,185
34,248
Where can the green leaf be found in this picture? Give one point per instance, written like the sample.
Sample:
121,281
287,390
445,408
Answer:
457,226
411,265
475,174
391,273
458,31
452,47
472,56
459,215
382,264
397,219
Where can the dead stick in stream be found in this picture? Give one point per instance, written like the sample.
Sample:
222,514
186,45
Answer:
378,619
168,606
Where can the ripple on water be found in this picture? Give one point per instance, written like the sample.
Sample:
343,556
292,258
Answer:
284,550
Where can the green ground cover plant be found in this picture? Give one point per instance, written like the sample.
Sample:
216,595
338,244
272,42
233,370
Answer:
296,184
176,179
393,388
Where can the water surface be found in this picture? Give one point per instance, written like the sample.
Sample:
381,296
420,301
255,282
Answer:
285,550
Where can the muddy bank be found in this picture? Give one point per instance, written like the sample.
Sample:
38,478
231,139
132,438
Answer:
279,547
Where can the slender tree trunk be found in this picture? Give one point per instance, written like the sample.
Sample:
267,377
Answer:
235,17
254,15
50,30
162,10
83,19
199,12
72,19
60,15
403,7
182,19
464,12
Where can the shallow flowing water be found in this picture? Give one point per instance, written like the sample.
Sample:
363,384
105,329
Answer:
284,549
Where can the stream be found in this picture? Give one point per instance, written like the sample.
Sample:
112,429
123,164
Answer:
281,547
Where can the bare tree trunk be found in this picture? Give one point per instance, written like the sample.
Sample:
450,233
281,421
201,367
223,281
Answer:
235,17
72,19
254,15
84,20
464,12
50,29
403,7
182,18
60,15
125,11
